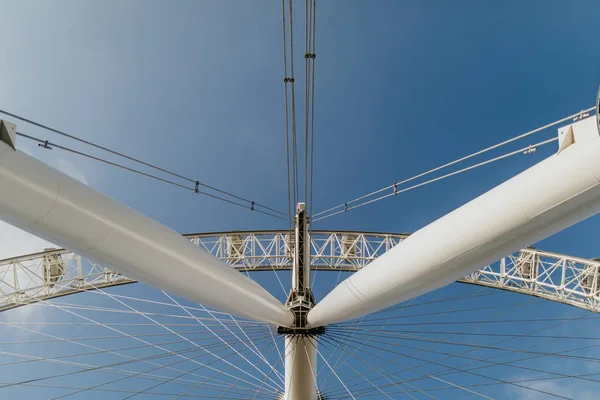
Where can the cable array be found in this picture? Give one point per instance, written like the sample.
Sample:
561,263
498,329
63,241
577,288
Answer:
292,139
309,108
198,187
394,189
290,109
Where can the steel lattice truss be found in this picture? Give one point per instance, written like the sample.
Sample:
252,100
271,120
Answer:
57,272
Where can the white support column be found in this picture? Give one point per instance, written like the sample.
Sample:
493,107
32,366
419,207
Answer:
300,368
300,344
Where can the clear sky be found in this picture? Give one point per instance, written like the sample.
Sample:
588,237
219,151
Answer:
196,87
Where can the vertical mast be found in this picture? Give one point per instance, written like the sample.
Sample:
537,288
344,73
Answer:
300,339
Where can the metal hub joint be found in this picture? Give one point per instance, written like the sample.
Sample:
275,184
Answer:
300,299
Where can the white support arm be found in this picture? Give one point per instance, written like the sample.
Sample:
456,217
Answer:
547,198
53,206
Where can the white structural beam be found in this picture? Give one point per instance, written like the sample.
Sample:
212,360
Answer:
53,206
556,277
300,368
499,222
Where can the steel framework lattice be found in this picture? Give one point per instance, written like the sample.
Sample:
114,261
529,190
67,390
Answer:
57,272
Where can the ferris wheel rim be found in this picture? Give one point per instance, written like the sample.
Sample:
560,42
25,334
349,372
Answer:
537,285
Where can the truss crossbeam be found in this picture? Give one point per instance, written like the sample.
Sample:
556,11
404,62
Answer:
56,272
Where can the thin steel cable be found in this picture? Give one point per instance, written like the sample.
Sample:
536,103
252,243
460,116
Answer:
129,360
275,345
529,334
148,301
312,371
195,332
287,119
363,361
491,363
91,324
184,373
256,391
409,304
404,355
287,130
470,345
215,375
439,178
101,350
312,123
306,93
486,308
487,149
69,136
293,90
91,157
506,335
122,391
334,373
227,328
308,96
155,323
514,381
162,303
286,353
264,380
370,339
171,379
488,321
24,358
193,343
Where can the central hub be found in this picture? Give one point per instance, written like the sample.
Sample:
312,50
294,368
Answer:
301,300
300,304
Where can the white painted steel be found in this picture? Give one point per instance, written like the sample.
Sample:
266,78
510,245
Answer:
300,368
556,277
555,194
53,206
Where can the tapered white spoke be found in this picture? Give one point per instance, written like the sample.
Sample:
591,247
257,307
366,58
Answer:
474,343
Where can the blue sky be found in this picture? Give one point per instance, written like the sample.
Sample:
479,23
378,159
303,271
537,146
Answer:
196,87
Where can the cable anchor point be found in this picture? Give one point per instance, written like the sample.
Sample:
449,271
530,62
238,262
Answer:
530,149
45,145
582,114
